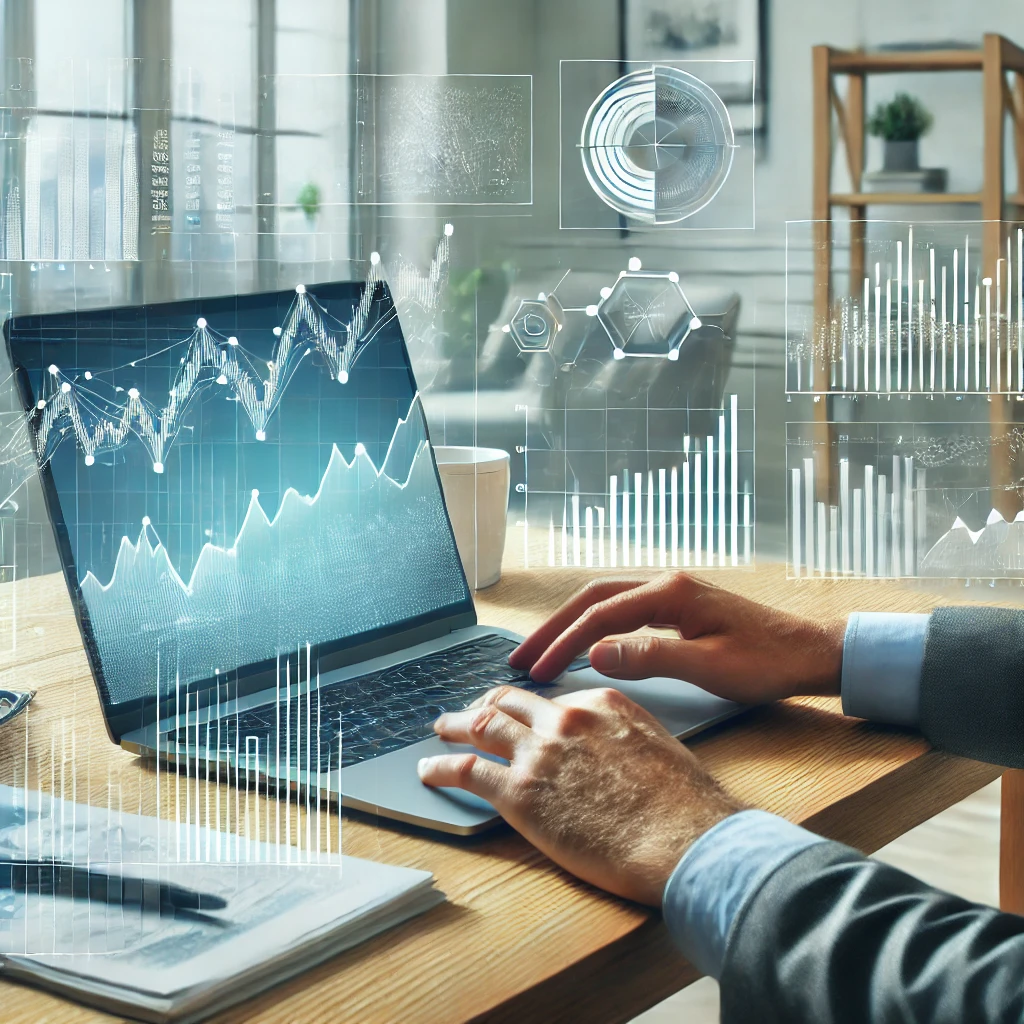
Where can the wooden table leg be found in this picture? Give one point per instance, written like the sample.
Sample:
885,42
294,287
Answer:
1011,844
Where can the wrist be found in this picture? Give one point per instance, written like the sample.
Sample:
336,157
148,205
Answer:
712,812
824,673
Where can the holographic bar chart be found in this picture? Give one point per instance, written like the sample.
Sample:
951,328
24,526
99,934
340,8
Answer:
294,754
910,500
691,507
923,319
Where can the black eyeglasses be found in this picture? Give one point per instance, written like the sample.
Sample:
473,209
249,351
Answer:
13,703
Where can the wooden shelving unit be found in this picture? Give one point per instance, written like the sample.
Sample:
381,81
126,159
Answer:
995,59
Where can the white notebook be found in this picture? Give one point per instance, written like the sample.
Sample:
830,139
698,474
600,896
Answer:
281,918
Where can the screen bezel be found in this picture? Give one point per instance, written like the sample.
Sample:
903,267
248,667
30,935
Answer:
127,716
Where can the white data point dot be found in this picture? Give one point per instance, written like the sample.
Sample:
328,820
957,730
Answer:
300,289
65,387
133,392
449,230
261,435
146,521
635,264
158,467
591,310
90,459
277,332
375,258
201,322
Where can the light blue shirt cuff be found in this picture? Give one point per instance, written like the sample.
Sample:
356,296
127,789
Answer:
883,655
717,875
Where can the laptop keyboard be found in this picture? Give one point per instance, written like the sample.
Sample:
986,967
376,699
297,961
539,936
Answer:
377,712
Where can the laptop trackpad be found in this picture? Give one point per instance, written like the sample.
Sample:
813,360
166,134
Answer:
681,707
390,785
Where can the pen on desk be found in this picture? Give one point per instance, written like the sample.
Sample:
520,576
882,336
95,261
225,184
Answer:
79,882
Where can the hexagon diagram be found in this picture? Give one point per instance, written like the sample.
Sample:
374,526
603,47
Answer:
647,316
536,323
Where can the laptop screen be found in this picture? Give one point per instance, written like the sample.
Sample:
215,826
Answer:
233,479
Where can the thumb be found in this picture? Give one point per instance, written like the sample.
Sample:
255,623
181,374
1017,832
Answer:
641,657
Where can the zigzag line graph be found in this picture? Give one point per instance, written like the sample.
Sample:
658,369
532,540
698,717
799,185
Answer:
101,424
17,457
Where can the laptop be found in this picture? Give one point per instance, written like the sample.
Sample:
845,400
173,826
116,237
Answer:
254,537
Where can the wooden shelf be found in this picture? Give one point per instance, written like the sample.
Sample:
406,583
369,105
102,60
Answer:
880,62
902,198
888,61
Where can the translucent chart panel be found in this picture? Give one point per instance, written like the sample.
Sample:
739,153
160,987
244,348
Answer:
459,140
641,486
210,161
912,310
88,180
603,387
654,144
910,500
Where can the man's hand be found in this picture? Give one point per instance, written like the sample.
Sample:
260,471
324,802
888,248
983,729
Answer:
594,782
728,645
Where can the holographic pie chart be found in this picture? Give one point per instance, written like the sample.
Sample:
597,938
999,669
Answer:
657,145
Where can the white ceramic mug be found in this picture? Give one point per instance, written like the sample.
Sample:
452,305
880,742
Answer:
475,483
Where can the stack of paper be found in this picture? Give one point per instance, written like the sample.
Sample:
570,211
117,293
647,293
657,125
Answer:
281,918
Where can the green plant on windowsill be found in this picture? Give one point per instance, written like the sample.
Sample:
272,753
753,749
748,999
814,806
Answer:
308,200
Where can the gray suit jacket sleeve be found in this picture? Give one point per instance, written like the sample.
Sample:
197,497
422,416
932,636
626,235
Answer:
831,937
972,684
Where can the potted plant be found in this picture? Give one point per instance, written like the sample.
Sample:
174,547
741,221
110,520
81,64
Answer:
308,200
900,123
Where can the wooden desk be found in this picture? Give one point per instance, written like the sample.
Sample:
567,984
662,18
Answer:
519,940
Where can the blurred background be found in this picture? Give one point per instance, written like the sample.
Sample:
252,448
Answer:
299,139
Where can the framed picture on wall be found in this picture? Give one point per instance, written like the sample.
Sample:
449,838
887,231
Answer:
730,33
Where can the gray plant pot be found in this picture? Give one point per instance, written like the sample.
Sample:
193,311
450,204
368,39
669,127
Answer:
900,156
